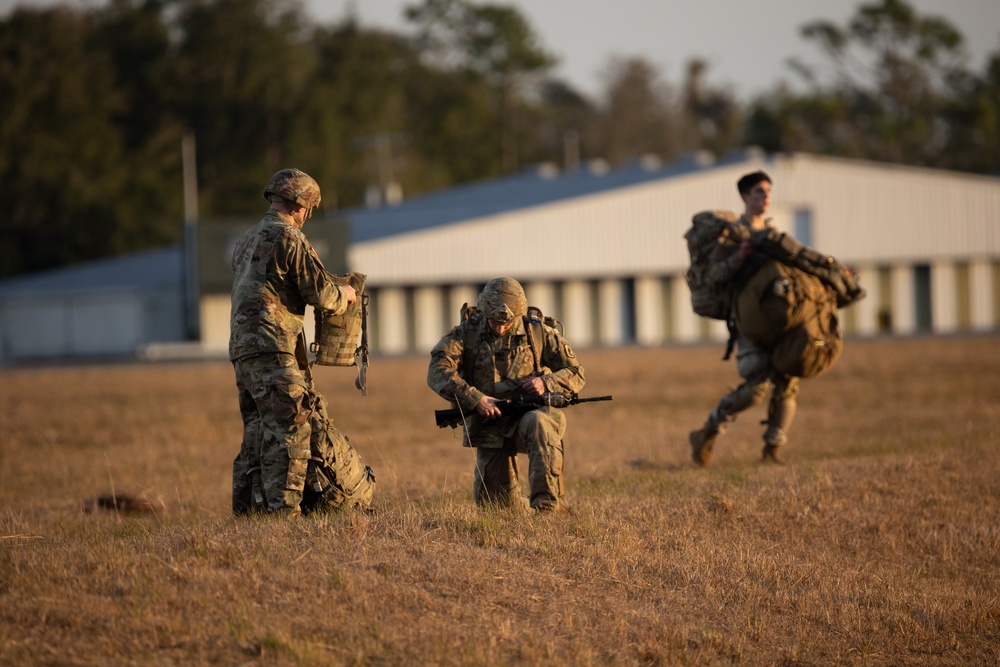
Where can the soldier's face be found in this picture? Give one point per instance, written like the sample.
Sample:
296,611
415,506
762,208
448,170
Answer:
500,329
758,200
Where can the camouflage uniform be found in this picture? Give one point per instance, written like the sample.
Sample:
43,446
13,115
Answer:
497,364
754,366
276,272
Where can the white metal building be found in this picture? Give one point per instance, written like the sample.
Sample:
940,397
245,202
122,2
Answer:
603,250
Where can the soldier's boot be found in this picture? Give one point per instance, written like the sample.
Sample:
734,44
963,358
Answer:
772,454
704,438
781,412
702,442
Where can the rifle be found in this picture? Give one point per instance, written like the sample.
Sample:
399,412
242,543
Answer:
517,407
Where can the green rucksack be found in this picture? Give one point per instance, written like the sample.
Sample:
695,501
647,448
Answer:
712,236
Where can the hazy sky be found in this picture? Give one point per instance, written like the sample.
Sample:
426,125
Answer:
746,43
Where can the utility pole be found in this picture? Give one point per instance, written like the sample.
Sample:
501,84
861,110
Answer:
192,319
386,189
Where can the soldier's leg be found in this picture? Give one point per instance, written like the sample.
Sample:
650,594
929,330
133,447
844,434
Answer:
753,365
495,479
780,414
539,433
247,491
284,404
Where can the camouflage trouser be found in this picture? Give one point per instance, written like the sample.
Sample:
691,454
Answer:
752,362
276,401
538,434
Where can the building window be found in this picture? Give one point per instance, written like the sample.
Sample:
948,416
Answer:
804,226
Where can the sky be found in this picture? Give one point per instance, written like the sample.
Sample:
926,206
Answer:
747,44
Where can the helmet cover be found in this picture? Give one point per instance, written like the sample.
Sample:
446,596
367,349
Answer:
296,186
503,300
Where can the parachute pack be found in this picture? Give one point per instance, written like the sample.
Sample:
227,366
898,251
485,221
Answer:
795,315
788,300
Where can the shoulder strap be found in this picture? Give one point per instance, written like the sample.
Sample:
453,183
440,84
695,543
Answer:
468,345
536,336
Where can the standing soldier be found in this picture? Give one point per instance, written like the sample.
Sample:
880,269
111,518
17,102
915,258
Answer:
499,353
276,272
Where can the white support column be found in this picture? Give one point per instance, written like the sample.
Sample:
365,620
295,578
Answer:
718,330
687,327
428,317
981,295
944,297
904,313
576,315
649,310
214,317
866,310
543,295
612,308
390,305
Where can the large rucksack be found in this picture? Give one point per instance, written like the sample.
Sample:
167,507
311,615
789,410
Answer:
335,477
794,314
712,236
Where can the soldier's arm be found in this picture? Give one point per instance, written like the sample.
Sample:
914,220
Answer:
566,374
315,285
726,261
443,374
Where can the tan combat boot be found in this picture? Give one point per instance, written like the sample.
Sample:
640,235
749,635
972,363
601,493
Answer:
702,441
772,454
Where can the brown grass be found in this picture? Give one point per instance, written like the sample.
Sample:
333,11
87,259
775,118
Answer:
876,545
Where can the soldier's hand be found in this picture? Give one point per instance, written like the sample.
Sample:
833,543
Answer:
746,248
533,386
488,408
349,292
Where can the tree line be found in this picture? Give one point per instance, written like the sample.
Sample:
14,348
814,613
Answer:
96,102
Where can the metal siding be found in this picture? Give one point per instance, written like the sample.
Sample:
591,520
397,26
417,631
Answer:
870,213
638,229
863,213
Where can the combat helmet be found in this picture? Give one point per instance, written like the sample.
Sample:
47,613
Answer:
296,186
503,300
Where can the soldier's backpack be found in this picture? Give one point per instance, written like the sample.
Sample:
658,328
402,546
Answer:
794,314
712,235
335,477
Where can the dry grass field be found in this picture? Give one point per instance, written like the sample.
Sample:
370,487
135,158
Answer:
877,544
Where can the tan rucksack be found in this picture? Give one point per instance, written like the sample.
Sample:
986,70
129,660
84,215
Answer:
712,236
795,315
336,478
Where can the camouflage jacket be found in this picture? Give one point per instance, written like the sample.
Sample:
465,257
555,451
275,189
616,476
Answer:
497,365
276,272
